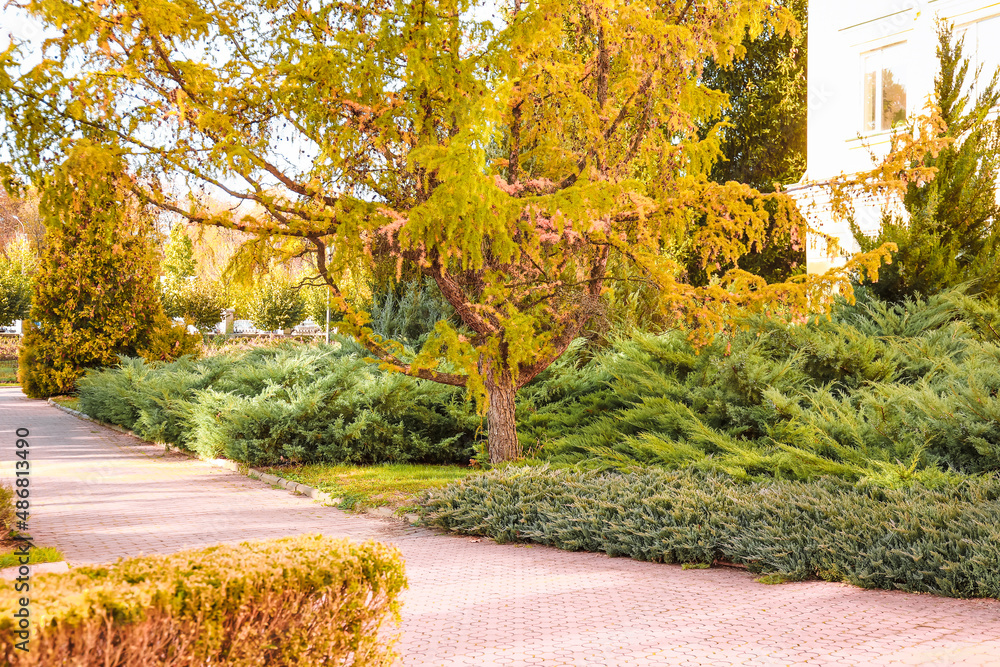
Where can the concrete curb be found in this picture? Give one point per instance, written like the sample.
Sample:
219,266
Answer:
242,469
12,572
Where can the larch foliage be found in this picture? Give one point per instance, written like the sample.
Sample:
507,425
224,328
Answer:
526,163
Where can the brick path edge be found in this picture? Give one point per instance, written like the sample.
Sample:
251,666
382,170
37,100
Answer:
243,469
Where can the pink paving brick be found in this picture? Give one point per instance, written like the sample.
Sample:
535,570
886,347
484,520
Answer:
99,495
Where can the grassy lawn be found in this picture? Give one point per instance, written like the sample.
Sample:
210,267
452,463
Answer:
71,402
36,555
8,373
392,485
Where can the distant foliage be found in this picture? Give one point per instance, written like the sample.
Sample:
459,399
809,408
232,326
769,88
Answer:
316,300
15,294
18,264
290,402
94,294
409,311
276,303
942,540
198,301
882,392
10,346
178,255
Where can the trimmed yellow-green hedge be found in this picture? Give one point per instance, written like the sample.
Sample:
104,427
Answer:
306,600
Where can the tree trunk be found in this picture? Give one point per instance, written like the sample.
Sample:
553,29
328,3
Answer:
502,441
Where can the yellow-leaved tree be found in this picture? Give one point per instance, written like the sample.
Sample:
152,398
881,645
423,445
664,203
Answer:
524,161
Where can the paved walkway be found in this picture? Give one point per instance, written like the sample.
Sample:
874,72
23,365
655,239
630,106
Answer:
98,495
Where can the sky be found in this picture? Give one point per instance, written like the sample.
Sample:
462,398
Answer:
15,22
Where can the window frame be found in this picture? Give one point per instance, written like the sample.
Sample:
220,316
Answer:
972,54
878,53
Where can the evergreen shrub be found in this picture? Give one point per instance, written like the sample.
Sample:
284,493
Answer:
306,601
891,393
287,402
944,541
950,232
408,311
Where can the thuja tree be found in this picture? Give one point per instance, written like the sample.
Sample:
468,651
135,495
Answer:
764,134
94,292
950,233
524,164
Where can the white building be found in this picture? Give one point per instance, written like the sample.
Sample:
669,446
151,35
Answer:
871,64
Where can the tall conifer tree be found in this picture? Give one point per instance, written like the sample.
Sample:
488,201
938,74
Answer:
951,232
94,293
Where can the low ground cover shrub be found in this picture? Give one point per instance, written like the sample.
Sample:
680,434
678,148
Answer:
883,392
306,600
286,403
944,541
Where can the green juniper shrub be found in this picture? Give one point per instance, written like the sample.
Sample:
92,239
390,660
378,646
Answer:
288,402
408,311
877,391
943,540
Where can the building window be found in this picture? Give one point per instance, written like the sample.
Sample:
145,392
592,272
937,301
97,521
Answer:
884,88
982,48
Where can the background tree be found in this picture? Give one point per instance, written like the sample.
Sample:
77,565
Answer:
276,303
950,233
94,293
763,134
185,294
199,302
18,264
19,217
391,108
763,138
178,255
